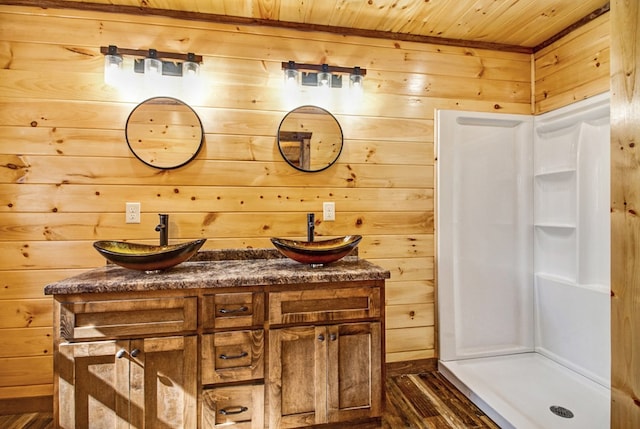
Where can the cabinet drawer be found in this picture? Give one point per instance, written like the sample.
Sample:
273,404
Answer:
232,356
127,318
236,407
233,310
322,305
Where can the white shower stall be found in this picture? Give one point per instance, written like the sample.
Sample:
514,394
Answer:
523,263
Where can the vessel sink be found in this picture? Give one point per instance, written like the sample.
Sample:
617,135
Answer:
145,257
317,252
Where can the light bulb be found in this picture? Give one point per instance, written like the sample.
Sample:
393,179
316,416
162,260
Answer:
152,65
356,79
112,65
291,75
190,68
324,77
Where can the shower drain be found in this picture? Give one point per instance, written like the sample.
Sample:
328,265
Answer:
561,411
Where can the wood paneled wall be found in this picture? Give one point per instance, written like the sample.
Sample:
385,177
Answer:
573,68
66,171
625,224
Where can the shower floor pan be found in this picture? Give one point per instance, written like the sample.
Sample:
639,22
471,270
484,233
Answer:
518,391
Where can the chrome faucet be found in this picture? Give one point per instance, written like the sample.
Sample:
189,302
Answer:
163,228
310,226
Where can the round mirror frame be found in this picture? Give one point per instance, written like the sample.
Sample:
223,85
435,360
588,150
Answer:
185,132
302,137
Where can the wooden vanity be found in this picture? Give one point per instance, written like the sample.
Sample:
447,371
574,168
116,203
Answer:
235,339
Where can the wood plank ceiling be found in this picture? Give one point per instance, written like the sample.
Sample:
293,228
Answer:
516,24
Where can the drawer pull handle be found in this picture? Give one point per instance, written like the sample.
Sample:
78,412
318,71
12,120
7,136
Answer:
242,309
232,411
226,357
135,352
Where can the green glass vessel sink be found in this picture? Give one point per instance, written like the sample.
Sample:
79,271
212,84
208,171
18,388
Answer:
319,252
145,257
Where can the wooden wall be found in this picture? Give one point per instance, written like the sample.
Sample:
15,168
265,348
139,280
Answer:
625,224
66,172
573,68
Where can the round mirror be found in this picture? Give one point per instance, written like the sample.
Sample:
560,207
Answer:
310,138
164,132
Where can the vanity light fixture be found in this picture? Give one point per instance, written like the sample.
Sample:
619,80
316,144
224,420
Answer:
322,75
152,62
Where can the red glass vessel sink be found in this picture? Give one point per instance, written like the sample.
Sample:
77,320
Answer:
318,252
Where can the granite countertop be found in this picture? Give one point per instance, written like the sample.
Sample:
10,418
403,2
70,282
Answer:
216,269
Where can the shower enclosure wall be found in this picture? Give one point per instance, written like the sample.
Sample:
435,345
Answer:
523,263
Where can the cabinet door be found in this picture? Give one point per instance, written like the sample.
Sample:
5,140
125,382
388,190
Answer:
146,383
163,382
297,377
354,371
324,374
93,385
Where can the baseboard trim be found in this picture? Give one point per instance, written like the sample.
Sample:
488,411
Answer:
34,404
411,366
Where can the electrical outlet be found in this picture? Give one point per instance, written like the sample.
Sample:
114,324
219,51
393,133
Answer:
132,212
329,211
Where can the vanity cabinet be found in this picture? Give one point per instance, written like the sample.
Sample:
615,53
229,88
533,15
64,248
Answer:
236,345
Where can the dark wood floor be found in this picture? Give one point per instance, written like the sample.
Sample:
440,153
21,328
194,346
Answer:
31,421
415,401
430,401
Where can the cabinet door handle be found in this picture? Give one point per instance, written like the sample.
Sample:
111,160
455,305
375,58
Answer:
135,352
242,309
320,337
333,337
233,410
241,355
121,353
